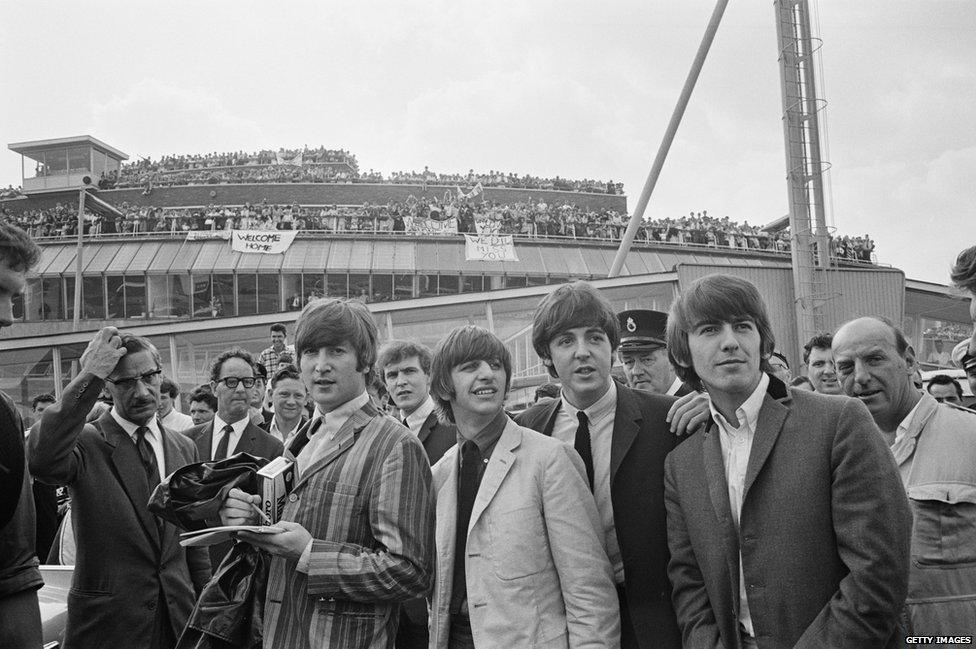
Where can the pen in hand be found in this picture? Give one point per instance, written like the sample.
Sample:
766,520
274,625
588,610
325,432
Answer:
264,517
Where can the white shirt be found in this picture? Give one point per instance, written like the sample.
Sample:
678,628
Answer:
154,436
218,434
601,417
736,448
284,435
673,390
176,421
322,433
416,419
902,430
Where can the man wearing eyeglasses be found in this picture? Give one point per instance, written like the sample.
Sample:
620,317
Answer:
133,585
231,430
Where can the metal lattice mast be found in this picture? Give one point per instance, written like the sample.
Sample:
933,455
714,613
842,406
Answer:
804,166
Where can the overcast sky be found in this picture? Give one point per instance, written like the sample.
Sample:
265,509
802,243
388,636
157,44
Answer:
575,89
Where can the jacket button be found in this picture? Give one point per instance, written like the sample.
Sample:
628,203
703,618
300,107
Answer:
292,497
151,605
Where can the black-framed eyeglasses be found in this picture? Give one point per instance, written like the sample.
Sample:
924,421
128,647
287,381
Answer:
149,378
232,381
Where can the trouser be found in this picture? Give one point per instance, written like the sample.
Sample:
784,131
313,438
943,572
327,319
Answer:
20,620
460,636
628,637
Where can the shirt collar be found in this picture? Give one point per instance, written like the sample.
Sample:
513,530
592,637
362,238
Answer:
417,418
675,386
238,425
748,412
487,437
906,424
130,428
338,416
283,434
603,406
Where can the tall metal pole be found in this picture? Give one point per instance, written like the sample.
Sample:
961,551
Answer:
75,321
662,152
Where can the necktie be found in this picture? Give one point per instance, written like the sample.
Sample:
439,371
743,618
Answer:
467,491
221,452
148,457
583,447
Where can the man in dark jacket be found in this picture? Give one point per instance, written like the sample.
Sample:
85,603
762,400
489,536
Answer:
623,437
20,618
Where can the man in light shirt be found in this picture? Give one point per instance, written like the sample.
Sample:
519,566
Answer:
934,445
288,395
171,418
786,521
359,521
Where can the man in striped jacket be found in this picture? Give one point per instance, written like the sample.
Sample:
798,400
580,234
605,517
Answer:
359,521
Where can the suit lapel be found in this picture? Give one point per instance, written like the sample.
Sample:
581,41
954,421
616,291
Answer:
447,523
547,417
626,426
130,473
248,440
770,423
428,426
718,492
498,467
344,439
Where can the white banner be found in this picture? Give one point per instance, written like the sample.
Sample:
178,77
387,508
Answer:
269,242
489,248
430,226
197,235
487,227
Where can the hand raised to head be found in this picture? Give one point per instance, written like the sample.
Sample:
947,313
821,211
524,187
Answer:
103,353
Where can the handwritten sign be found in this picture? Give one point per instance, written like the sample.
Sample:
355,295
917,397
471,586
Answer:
489,248
268,242
487,226
430,226
201,235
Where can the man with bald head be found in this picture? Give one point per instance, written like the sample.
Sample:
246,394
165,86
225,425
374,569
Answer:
934,445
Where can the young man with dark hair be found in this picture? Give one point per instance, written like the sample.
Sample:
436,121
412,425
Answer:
820,365
521,553
786,521
169,396
934,446
288,394
20,618
203,405
133,584
359,520
404,368
623,436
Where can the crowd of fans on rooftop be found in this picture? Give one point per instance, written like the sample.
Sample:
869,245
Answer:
319,165
521,219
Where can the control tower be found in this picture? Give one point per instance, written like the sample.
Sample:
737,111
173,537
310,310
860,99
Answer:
67,163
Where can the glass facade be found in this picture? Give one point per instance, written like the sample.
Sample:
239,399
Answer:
187,354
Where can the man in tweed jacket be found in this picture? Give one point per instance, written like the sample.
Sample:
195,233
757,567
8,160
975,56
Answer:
359,521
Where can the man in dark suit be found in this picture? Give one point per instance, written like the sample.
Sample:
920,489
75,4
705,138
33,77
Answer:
786,521
623,437
133,585
231,430
644,354
405,369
